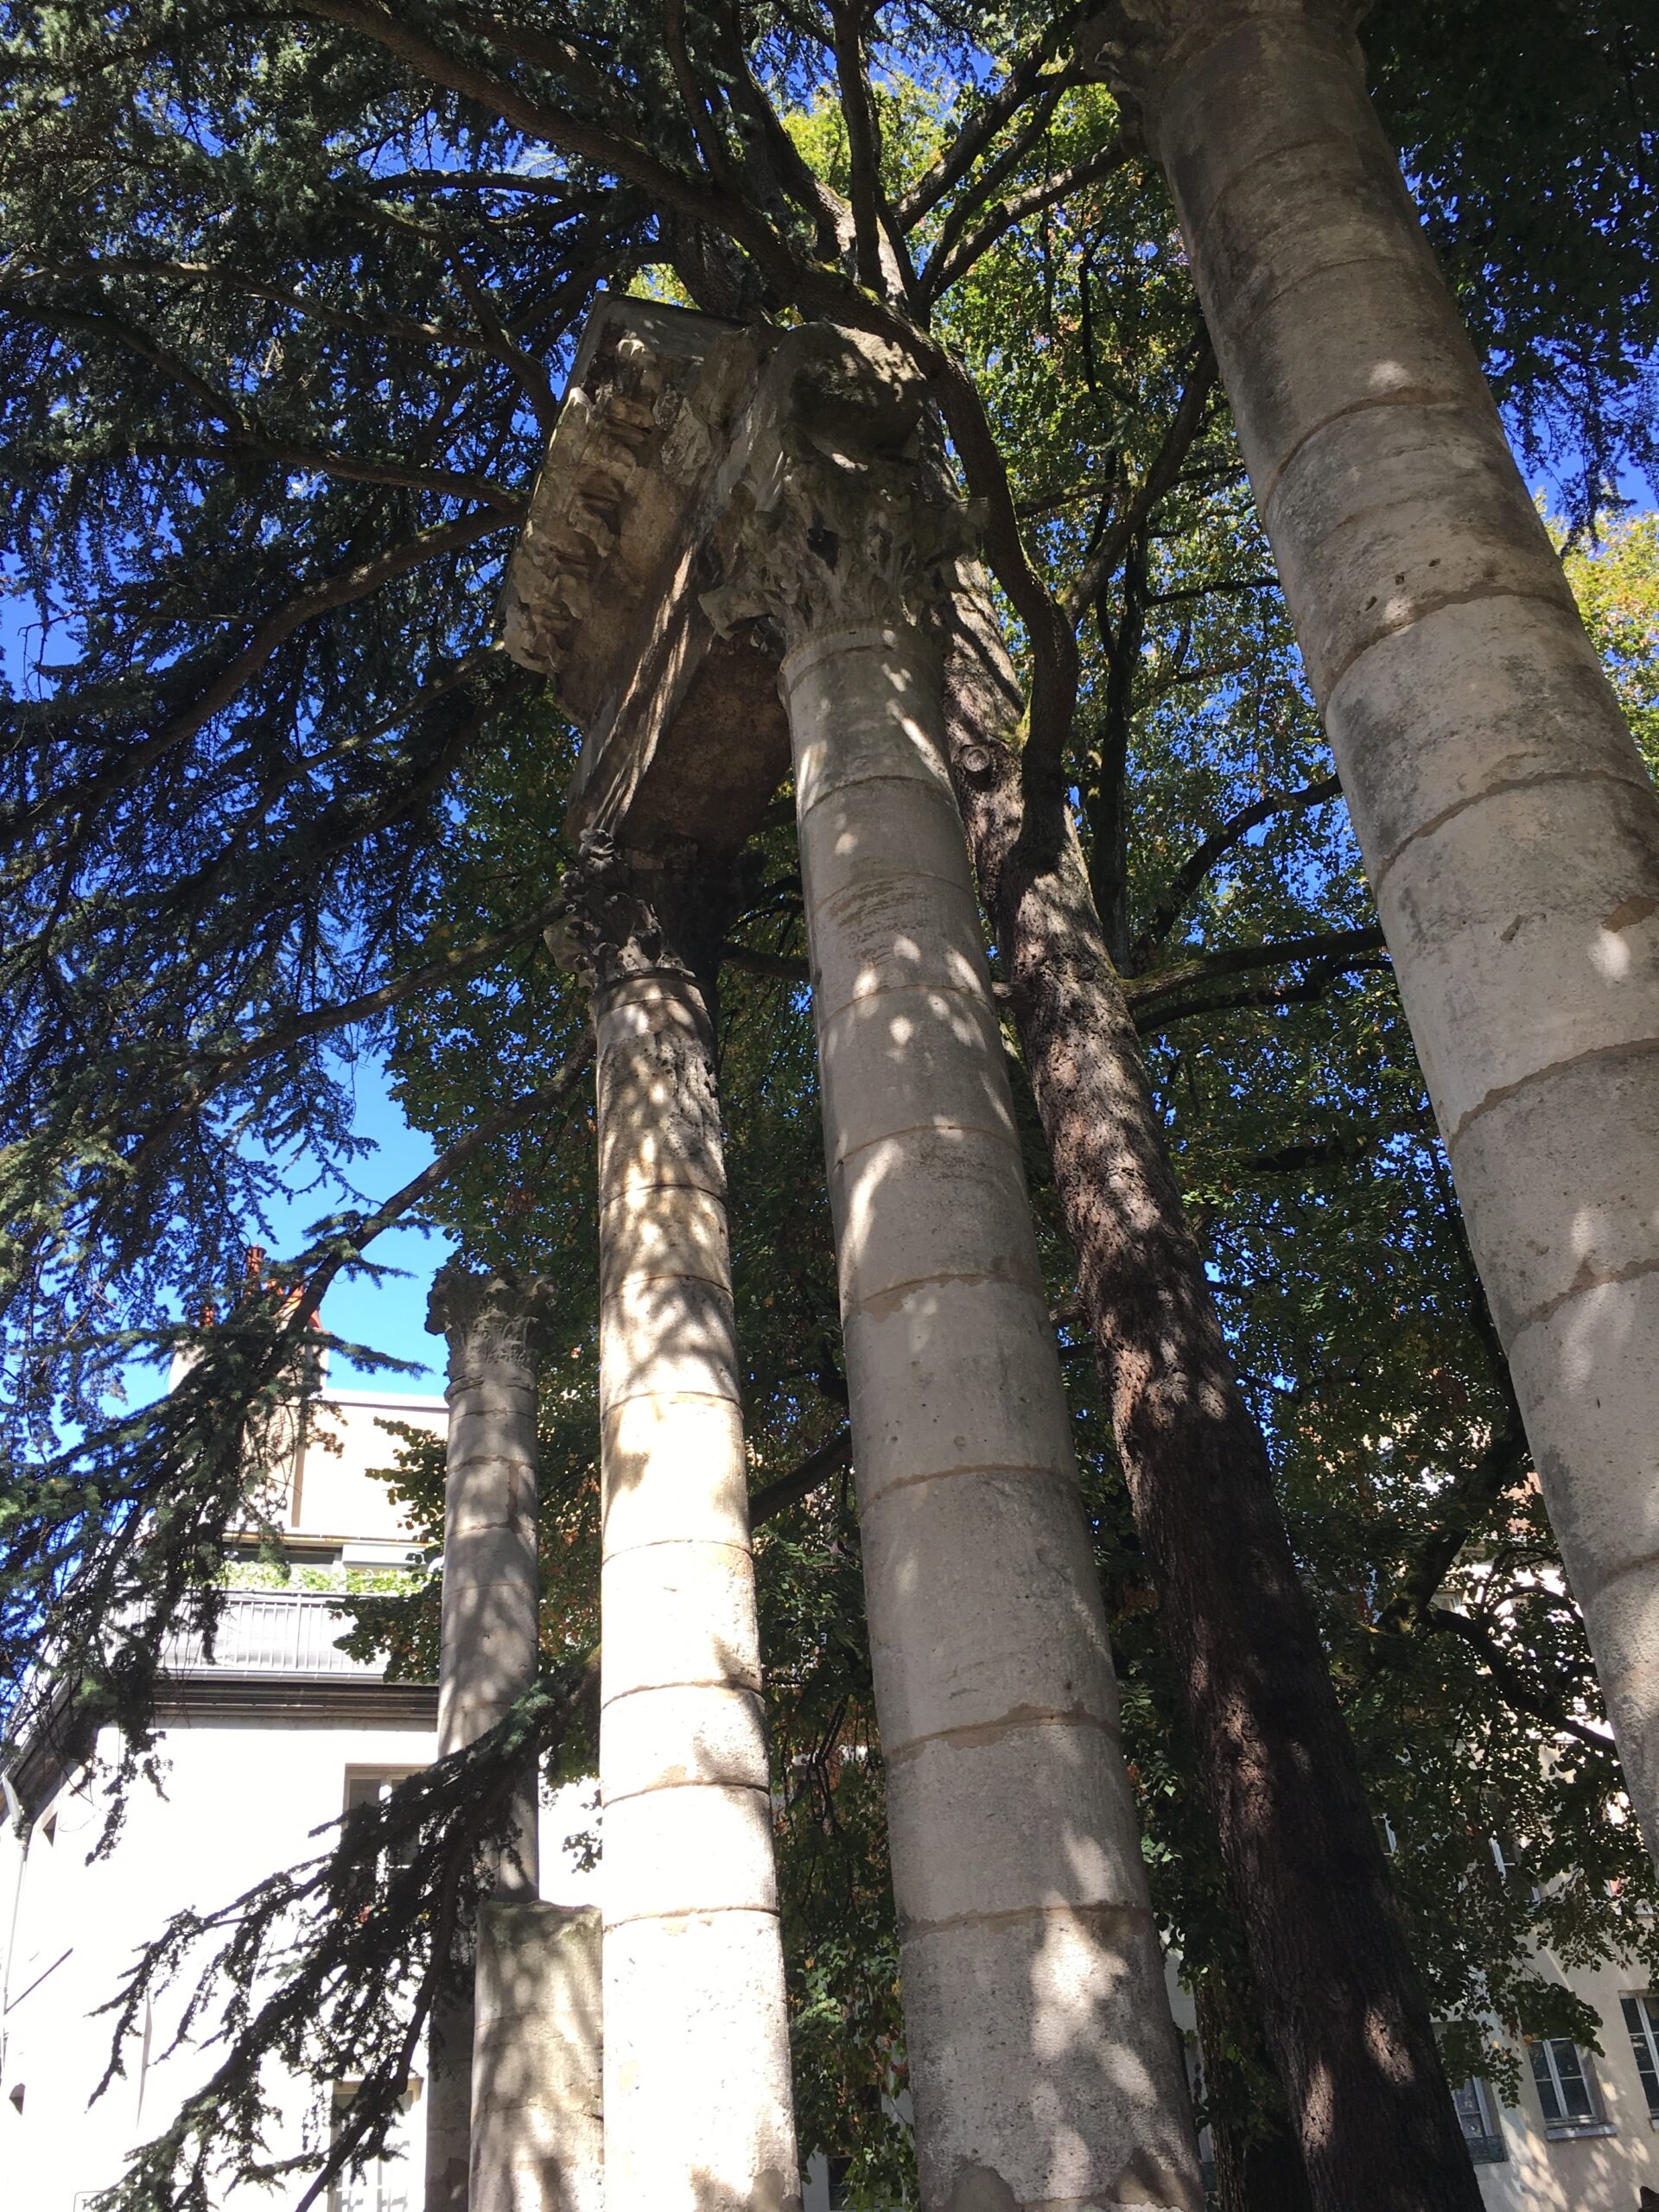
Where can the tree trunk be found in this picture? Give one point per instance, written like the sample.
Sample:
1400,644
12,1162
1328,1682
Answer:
1344,2011
1258,2168
1509,826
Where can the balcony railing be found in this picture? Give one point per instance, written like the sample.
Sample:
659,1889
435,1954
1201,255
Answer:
270,1632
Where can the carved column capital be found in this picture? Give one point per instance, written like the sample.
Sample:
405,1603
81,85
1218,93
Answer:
1138,48
828,527
490,1321
626,911
842,542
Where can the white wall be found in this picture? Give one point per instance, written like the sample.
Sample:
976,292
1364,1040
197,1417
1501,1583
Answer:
241,1800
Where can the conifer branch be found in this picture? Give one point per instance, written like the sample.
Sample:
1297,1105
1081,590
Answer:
331,1969
338,590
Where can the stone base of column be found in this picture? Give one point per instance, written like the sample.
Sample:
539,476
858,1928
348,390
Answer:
449,2103
537,2139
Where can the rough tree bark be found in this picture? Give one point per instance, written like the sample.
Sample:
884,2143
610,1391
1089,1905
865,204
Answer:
1509,826
1344,2011
1258,2170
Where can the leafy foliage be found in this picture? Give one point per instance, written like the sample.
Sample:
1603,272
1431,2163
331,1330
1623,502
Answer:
290,297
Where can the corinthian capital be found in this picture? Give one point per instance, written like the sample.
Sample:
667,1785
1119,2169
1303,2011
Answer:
827,526
490,1321
626,911
1139,47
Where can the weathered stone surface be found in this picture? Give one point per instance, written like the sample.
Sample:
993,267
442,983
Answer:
489,1638
537,2140
805,531
684,1774
1509,826
972,1634
600,593
1005,1809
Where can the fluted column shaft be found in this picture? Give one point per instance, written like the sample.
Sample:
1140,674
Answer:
1043,2063
698,2106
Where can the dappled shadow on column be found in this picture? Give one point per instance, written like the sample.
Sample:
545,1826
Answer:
537,2135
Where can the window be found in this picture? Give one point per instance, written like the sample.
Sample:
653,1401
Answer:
1478,2118
374,1789
1642,2018
1567,2089
384,2185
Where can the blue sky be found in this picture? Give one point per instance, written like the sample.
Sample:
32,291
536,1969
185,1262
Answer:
389,1314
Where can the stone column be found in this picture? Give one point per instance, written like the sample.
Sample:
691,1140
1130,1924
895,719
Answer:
698,2107
1044,2066
537,2143
1509,826
488,1655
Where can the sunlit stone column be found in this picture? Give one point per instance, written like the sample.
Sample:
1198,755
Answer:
1044,2066
1509,825
538,2142
698,2109
488,1655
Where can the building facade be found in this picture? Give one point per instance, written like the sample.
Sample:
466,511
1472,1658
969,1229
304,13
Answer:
280,1732
262,1746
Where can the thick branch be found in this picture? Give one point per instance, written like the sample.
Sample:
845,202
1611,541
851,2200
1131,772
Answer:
1514,1688
1460,1510
352,1243
1024,82
1214,848
611,150
775,1498
350,468
1348,947
859,115
782,966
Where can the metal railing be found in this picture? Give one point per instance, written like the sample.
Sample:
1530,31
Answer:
270,1632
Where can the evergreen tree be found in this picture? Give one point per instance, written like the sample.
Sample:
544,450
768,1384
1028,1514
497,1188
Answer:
291,302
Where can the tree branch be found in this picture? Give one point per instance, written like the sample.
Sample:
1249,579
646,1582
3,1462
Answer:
703,201
350,468
339,590
775,1498
1184,425
1348,947
782,966
1024,82
947,265
859,115
449,968
1512,1685
1215,848
1461,1509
